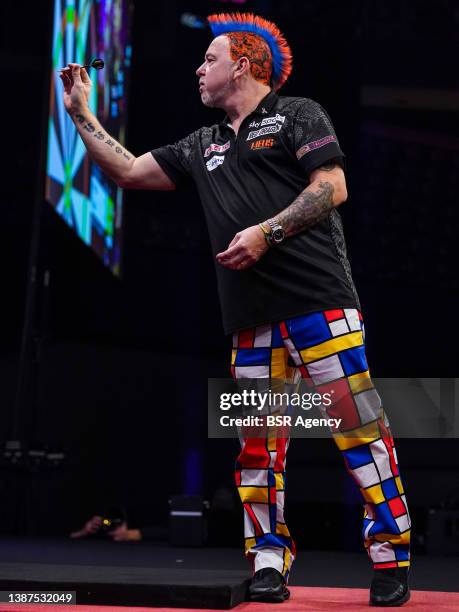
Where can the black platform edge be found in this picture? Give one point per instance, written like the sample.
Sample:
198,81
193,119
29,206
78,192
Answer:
218,597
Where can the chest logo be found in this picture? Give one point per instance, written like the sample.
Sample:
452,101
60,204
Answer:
268,125
264,143
214,162
215,148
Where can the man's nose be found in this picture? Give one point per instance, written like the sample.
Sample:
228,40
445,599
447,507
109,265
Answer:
199,71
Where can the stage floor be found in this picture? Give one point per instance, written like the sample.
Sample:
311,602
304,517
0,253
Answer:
303,599
320,580
312,568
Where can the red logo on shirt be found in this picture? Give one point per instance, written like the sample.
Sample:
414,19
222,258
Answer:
217,148
264,143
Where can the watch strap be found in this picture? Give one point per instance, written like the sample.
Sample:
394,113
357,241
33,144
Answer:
266,234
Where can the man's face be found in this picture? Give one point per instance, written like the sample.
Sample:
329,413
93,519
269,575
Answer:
214,74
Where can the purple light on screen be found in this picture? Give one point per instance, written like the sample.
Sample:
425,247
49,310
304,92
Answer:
102,25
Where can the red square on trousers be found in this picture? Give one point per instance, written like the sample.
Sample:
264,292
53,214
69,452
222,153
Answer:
388,565
254,454
305,375
342,406
397,507
279,465
333,315
245,339
283,329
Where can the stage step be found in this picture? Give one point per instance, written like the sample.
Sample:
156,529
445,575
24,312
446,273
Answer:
131,586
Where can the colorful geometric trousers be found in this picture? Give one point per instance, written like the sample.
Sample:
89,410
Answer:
326,348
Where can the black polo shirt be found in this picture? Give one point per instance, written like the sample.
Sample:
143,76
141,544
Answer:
247,179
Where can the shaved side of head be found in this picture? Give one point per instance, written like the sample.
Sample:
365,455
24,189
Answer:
256,50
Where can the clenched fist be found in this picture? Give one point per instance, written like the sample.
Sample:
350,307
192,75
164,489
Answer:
246,248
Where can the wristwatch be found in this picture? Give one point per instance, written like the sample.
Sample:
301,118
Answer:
276,235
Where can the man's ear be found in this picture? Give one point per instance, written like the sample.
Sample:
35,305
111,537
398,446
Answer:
243,66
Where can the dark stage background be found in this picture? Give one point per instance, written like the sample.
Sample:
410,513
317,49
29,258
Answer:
118,369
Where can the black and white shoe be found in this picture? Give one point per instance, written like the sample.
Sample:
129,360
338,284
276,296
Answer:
389,587
268,585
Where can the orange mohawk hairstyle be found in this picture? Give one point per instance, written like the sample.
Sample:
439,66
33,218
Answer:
226,23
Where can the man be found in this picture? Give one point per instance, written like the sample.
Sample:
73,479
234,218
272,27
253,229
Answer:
270,177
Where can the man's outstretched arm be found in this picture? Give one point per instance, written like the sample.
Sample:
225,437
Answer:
327,189
124,168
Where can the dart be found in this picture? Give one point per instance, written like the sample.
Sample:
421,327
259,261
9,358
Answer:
97,63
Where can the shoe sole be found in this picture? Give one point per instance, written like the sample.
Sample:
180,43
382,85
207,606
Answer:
400,602
270,597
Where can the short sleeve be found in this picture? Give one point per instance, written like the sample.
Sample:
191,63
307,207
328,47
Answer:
177,159
314,138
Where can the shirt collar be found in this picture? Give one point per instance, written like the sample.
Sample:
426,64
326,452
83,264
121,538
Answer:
266,104
264,108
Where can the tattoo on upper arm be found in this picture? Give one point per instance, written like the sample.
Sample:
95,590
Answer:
307,209
89,127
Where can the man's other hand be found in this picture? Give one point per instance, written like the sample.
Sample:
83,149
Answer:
246,248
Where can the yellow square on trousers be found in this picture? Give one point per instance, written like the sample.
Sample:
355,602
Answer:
398,482
272,439
279,357
279,482
329,347
355,437
282,529
250,543
253,494
233,356
393,538
360,382
373,494
287,560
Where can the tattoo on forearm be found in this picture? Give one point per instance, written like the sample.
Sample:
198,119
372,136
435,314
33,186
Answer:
89,127
309,208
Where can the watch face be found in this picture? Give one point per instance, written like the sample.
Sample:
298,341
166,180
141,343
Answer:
278,235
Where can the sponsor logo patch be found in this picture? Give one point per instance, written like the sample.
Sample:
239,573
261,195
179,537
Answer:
268,125
216,161
215,148
270,129
273,120
316,144
264,143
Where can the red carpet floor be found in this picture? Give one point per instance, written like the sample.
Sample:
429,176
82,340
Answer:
303,599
